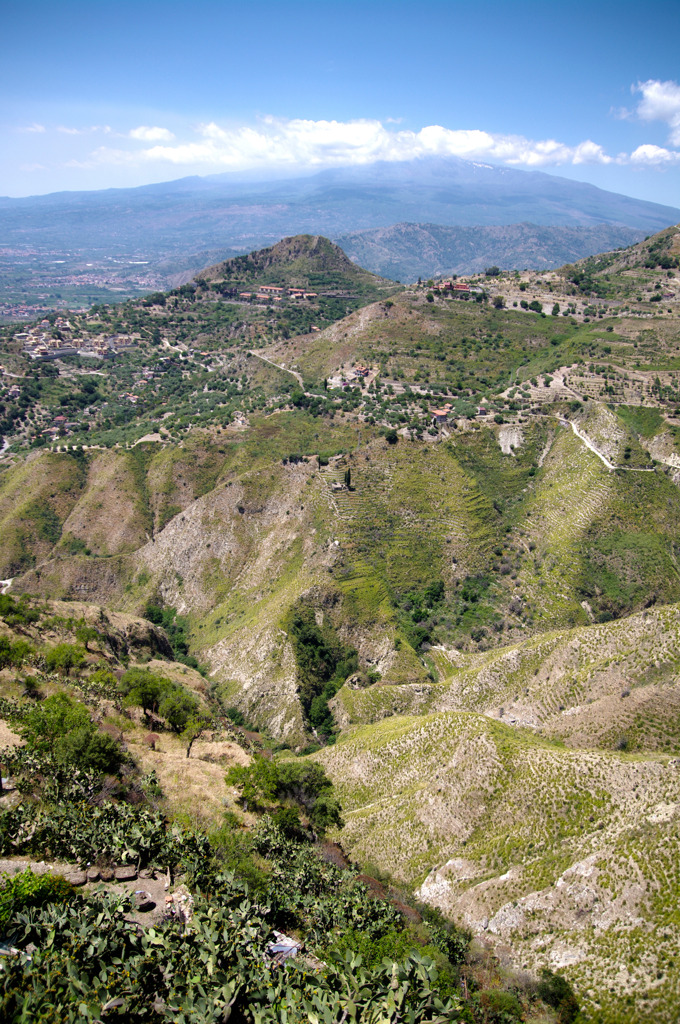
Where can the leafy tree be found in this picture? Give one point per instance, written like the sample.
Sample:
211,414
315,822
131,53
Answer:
55,716
143,689
257,781
86,634
325,813
303,782
178,708
64,657
60,726
194,728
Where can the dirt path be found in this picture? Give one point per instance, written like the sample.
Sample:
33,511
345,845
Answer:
589,444
258,355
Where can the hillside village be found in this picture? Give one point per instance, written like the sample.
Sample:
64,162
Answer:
60,338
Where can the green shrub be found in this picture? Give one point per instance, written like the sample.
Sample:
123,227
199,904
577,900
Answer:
14,652
20,892
235,716
63,658
392,945
500,1007
89,749
52,719
60,726
556,991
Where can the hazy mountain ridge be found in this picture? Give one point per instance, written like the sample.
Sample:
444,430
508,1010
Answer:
409,251
329,202
157,223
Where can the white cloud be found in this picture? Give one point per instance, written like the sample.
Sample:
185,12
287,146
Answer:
654,156
34,128
145,133
590,153
327,143
660,102
104,129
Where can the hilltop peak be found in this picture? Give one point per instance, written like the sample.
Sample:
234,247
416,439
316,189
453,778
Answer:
299,261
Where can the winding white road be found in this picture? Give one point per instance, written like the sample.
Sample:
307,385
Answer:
589,444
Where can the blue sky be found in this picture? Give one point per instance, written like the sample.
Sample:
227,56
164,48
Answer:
103,94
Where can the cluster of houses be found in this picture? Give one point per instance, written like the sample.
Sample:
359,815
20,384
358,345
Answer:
457,289
60,426
350,380
441,416
276,293
21,310
55,341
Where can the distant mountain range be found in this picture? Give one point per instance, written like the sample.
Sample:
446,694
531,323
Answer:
180,219
407,251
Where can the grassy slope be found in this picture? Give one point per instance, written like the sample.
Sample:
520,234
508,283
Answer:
589,685
569,856
219,527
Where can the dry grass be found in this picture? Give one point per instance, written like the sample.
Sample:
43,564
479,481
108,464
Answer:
192,786
179,673
7,737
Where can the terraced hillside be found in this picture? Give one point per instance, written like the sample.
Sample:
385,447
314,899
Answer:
436,539
563,858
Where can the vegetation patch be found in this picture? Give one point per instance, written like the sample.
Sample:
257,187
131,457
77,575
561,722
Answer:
323,663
